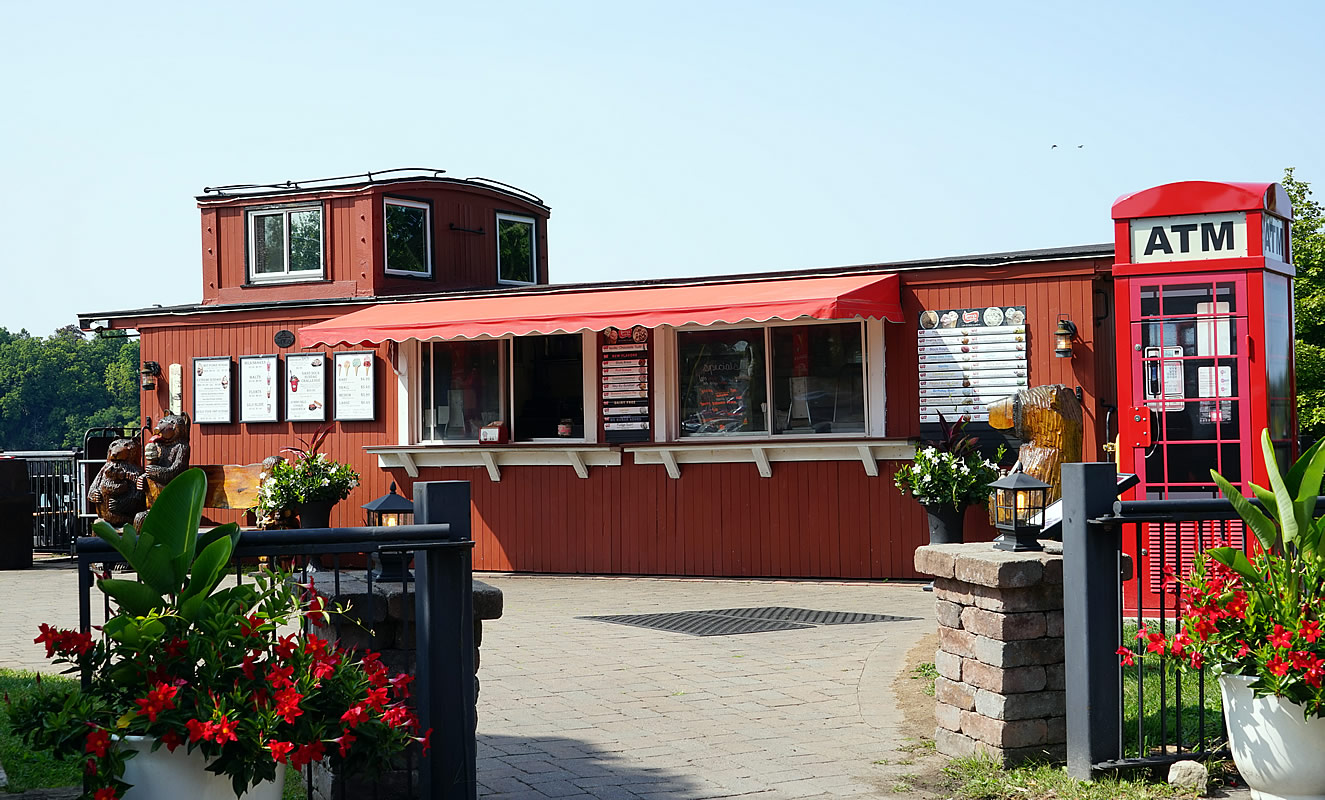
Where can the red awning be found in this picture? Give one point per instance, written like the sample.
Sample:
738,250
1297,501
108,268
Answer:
844,297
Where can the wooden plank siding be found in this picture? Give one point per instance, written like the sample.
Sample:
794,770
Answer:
809,519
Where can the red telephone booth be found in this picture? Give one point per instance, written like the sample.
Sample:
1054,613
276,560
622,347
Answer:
1203,286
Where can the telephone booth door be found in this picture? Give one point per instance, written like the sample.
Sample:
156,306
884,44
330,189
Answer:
1189,408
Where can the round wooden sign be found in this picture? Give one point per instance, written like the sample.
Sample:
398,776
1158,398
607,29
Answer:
284,338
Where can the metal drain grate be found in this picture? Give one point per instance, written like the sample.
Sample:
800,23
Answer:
729,621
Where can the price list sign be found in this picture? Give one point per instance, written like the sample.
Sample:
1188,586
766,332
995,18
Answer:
625,384
970,357
211,390
259,388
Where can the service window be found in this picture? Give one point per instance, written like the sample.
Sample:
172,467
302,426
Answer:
818,379
408,237
547,381
722,382
461,388
516,250
285,243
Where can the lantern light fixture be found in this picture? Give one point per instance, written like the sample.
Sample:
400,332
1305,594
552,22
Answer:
1067,331
1019,501
390,510
150,372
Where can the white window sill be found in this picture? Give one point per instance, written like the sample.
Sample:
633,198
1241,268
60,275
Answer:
493,457
764,452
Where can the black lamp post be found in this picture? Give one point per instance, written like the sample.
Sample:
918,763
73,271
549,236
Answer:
1019,501
390,510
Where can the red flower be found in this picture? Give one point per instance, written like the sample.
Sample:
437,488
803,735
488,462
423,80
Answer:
1122,651
1197,660
224,731
426,741
1242,650
280,751
315,645
1204,626
1180,643
307,754
287,704
171,739
278,676
249,665
1281,638
401,684
199,731
1310,631
286,646
48,636
1155,641
97,742
175,647
399,715
1278,666
376,698
162,698
345,740
250,625
354,716
104,794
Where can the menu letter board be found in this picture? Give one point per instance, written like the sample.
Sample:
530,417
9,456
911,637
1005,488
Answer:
354,385
306,387
970,357
624,381
211,389
259,389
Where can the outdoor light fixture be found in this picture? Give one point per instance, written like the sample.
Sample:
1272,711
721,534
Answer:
1067,330
1019,501
390,510
150,372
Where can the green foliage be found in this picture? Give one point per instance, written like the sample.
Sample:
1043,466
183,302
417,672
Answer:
52,389
1308,243
980,778
25,767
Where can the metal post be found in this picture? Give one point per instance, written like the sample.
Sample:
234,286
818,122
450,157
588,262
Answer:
444,637
1091,617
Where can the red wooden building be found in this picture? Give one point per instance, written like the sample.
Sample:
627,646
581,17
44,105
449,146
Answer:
742,425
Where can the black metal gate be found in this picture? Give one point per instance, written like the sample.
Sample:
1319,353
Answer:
57,519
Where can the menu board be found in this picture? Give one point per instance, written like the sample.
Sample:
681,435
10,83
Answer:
354,385
259,389
970,357
211,390
625,384
306,387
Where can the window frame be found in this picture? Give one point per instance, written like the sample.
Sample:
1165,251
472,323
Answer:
287,276
417,406
533,248
406,202
673,386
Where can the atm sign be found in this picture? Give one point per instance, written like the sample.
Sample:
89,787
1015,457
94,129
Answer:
1193,237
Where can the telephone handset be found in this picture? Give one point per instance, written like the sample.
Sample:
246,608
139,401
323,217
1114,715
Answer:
1164,378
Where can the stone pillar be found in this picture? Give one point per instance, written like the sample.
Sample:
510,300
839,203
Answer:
1000,658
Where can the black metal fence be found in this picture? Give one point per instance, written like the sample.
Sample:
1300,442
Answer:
56,519
444,685
1149,714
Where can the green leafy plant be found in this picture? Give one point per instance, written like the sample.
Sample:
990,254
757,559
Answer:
950,471
189,663
1259,616
312,476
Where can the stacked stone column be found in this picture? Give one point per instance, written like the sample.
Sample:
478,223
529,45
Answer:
1000,658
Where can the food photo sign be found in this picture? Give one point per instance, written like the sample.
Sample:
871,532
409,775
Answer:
306,387
969,357
211,390
354,385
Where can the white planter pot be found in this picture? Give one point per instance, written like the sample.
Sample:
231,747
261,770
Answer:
181,775
1278,753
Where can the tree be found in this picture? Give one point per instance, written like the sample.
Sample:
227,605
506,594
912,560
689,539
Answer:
53,389
1308,243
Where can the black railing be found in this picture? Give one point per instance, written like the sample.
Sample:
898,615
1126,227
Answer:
1117,595
53,481
441,548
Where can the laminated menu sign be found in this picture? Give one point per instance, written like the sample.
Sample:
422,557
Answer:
211,390
970,357
306,387
259,389
354,385
624,382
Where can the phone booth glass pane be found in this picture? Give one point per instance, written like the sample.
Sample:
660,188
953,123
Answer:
1279,393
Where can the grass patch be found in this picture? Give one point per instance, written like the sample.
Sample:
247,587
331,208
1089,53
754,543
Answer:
1185,706
926,672
983,779
28,769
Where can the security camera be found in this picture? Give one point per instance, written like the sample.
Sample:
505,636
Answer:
98,324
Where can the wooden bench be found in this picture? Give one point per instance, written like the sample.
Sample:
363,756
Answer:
229,486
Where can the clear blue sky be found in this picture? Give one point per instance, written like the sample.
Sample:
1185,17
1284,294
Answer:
668,138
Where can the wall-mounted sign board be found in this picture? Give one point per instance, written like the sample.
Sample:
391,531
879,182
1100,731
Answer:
259,389
624,384
354,385
211,390
306,387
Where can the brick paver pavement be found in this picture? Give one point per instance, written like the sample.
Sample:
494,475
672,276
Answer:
574,708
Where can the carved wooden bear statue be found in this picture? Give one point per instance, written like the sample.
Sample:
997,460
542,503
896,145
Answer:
170,455
1047,419
114,492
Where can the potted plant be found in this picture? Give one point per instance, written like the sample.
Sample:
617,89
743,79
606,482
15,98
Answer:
312,484
187,670
1257,622
947,476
